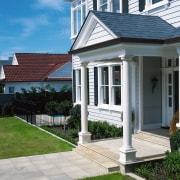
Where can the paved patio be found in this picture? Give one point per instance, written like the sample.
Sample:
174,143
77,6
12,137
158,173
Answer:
71,165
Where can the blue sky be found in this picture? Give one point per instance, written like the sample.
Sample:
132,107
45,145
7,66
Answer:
37,26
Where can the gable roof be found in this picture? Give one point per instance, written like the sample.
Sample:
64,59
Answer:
136,26
128,28
35,67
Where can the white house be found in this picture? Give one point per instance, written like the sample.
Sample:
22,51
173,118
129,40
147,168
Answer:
126,64
36,70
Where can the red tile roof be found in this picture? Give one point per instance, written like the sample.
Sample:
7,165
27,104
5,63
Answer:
34,67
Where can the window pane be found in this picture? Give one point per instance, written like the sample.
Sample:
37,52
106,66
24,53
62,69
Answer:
79,77
115,5
103,5
116,75
169,78
117,95
156,1
83,13
105,94
105,80
79,19
75,22
103,2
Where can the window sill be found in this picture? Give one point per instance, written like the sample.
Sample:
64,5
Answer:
110,107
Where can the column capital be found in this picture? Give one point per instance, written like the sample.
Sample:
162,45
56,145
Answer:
178,50
84,64
126,58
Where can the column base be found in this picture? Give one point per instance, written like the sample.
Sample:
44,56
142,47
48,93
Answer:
84,138
127,155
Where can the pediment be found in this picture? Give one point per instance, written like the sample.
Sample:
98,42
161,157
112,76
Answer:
92,32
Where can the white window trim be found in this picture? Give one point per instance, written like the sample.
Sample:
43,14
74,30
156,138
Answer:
150,6
73,35
78,86
109,106
109,5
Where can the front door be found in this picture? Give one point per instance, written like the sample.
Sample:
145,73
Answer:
176,90
170,90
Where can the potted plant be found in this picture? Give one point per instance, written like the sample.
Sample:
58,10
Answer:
174,133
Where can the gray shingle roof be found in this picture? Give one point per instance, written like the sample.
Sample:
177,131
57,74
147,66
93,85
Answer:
176,33
5,62
137,26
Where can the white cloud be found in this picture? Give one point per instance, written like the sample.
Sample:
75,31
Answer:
31,24
10,51
53,4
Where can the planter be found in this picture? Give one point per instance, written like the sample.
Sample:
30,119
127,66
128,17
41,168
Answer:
174,144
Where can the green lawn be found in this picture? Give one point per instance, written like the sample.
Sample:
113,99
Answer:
18,139
113,176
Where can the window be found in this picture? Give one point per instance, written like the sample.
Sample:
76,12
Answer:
150,4
78,15
109,85
103,6
116,85
156,1
113,5
78,85
11,90
104,87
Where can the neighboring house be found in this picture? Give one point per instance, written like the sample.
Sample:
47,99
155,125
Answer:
126,64
37,70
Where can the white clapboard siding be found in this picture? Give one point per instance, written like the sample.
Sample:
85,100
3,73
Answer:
171,14
76,62
89,4
99,34
133,7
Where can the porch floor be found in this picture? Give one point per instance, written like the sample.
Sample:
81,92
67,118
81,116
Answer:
150,145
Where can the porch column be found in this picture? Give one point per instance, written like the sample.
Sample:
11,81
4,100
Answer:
127,152
84,135
178,51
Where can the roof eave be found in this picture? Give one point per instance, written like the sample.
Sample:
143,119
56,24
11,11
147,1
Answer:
116,41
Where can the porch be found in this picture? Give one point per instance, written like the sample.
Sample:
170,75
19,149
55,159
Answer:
150,145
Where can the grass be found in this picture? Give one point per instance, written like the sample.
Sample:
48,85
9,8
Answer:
113,176
18,139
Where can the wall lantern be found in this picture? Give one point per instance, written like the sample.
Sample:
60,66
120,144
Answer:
154,82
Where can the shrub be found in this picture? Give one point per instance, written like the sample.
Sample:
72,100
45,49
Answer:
73,133
74,122
168,169
144,170
64,136
172,163
51,107
102,129
1,109
64,107
7,109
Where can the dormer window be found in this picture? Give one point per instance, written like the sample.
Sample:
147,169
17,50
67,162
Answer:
78,12
103,5
152,4
117,6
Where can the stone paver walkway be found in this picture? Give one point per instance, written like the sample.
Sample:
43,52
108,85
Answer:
57,166
71,165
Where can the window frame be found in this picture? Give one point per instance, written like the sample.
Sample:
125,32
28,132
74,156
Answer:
111,105
11,89
150,5
78,86
78,14
109,4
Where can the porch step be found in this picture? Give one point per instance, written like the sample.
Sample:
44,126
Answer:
99,155
153,138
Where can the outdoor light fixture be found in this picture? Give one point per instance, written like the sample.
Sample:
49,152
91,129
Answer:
154,82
